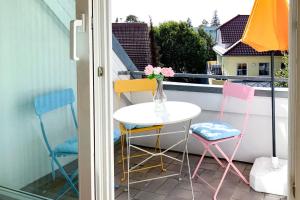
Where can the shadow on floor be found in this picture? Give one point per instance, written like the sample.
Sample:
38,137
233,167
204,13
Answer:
47,187
171,189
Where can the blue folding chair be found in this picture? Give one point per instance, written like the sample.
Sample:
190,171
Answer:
50,102
117,135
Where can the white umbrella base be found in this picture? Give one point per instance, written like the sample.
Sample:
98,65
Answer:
269,177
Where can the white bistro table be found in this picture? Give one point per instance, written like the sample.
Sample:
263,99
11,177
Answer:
144,114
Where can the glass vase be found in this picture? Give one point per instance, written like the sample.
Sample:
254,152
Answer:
159,97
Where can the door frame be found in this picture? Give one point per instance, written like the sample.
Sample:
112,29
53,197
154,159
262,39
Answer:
103,85
96,166
294,101
103,100
85,102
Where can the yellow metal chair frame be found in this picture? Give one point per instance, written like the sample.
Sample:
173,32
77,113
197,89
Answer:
137,85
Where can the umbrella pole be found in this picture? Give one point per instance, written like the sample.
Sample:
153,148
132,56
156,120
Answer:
273,105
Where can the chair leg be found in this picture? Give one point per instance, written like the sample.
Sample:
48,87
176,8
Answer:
157,146
123,157
230,164
221,182
52,168
215,157
74,174
199,162
64,173
66,188
240,174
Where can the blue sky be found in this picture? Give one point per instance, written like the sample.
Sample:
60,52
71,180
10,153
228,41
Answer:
164,10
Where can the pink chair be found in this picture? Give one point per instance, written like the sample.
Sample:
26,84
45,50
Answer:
214,132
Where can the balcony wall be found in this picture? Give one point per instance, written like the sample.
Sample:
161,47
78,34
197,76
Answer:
257,141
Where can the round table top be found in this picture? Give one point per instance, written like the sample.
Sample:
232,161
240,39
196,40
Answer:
145,114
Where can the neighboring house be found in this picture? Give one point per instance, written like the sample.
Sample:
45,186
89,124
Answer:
237,58
211,30
134,38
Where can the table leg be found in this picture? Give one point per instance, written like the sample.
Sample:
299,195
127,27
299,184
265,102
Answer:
158,146
186,152
128,162
189,168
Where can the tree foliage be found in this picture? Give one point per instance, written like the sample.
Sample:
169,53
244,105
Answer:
215,21
153,46
131,19
210,54
284,72
189,22
204,22
182,47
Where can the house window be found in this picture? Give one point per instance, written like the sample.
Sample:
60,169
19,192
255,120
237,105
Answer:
264,69
216,70
241,69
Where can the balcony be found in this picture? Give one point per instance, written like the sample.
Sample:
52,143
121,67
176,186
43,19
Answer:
256,143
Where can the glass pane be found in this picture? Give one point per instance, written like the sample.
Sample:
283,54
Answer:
34,62
263,69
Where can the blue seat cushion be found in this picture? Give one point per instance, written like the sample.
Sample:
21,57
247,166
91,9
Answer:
214,130
117,135
70,146
133,126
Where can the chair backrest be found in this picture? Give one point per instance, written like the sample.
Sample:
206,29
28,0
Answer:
135,85
239,91
53,101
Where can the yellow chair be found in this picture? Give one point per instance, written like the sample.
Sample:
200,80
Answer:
137,85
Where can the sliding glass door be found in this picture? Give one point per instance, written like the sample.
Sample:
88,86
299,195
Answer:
46,111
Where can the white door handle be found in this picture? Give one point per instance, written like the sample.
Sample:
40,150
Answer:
74,24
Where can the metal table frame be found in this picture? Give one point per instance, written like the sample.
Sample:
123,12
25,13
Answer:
186,131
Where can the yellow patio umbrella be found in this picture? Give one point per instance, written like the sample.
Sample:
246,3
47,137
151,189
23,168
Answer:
267,30
267,27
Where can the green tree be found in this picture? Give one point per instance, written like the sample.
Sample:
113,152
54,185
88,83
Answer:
215,21
189,22
204,23
153,46
210,43
284,72
131,19
181,47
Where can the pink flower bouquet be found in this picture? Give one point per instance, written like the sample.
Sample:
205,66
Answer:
158,72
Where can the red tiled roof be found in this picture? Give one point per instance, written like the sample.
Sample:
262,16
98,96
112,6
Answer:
242,49
134,38
232,31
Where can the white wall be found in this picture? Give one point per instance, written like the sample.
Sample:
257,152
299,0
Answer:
117,66
257,140
34,60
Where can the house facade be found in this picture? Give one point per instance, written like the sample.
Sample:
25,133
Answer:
237,58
